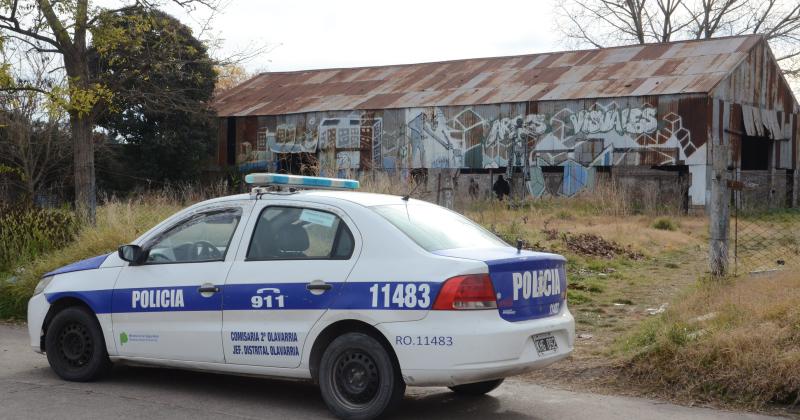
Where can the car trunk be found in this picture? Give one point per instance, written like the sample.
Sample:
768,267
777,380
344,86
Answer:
528,285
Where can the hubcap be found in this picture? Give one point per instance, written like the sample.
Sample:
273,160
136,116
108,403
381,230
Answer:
75,345
355,378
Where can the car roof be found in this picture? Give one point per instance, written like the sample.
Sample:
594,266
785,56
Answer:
327,196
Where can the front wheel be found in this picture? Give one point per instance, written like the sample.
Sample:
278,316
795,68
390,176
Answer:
358,379
478,388
75,346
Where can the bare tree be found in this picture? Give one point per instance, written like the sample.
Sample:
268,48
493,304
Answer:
64,28
33,139
604,23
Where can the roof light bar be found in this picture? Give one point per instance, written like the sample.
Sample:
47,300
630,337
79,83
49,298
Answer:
264,179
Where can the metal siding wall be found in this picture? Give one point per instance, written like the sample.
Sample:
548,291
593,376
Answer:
630,131
757,82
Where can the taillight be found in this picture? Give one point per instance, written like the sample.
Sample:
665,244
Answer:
473,291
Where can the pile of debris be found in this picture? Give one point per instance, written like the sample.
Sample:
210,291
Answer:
594,245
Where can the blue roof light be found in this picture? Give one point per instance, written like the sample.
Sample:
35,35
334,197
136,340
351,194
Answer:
301,181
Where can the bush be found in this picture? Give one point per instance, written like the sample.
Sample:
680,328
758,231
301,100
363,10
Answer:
25,233
665,223
118,222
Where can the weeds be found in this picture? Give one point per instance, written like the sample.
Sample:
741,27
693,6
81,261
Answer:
118,222
736,341
665,223
26,233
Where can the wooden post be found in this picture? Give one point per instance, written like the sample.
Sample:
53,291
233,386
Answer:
719,212
439,189
491,184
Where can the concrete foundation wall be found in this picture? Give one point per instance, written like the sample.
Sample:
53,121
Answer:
763,190
641,188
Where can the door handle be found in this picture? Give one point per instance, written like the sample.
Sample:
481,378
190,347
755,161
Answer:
319,286
208,289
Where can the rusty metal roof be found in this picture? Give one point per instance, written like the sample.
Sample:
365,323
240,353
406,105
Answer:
636,70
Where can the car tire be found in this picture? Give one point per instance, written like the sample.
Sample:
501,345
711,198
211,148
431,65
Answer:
358,378
75,347
478,388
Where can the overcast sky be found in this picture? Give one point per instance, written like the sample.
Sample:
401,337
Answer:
305,34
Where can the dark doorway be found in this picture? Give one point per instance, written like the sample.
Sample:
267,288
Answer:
755,153
230,143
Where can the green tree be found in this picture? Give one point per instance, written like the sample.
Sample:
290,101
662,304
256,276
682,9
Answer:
162,83
62,27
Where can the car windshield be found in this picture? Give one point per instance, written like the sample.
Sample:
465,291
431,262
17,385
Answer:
435,228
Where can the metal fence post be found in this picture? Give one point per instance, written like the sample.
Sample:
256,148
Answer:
719,212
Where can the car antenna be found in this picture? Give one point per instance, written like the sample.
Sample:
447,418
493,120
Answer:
408,196
519,246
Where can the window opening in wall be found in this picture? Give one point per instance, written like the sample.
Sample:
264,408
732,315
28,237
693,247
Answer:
755,153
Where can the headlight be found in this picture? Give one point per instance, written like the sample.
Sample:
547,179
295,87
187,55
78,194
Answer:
43,283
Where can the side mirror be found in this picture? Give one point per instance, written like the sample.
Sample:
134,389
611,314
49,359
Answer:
131,253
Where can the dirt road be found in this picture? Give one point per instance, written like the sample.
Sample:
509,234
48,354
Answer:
30,390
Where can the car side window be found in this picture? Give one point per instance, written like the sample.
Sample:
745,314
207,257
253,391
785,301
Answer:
295,233
200,238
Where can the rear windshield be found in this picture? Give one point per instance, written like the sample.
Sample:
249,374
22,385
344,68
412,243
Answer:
435,228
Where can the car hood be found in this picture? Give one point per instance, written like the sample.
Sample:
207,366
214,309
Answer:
87,264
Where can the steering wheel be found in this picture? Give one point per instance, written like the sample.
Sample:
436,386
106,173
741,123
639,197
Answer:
204,250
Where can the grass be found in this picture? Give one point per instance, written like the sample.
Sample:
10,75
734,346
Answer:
665,223
28,232
736,341
118,222
769,241
732,341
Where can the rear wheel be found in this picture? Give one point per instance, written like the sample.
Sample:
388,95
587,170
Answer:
358,379
75,346
478,388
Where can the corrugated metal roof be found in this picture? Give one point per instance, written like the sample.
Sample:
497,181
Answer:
651,69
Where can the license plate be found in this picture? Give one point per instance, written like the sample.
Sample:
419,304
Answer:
545,344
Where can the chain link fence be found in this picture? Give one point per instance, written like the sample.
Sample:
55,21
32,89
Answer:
765,235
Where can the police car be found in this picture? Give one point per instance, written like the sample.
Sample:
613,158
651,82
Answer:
304,278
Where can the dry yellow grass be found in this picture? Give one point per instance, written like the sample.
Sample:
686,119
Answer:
118,222
737,341
628,230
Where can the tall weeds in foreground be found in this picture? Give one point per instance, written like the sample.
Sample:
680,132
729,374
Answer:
118,222
28,232
736,341
383,183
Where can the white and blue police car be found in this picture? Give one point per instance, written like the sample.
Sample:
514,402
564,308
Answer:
362,293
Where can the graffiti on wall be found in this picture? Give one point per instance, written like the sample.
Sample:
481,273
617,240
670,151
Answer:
487,136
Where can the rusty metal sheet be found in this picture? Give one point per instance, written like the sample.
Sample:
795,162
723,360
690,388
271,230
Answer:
761,122
750,125
651,69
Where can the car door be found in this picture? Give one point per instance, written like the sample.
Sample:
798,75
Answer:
286,276
169,306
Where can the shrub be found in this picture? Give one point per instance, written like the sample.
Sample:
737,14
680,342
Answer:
118,222
665,223
25,233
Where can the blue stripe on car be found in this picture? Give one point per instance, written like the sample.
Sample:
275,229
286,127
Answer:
87,264
350,296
